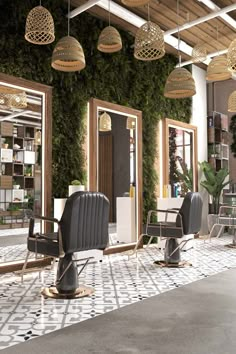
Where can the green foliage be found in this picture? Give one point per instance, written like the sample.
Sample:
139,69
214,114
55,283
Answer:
232,129
75,182
185,176
13,207
214,183
118,78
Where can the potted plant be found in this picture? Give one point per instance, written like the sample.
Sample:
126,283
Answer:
76,186
15,185
28,171
214,184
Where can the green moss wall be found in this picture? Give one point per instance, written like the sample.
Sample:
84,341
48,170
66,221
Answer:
117,78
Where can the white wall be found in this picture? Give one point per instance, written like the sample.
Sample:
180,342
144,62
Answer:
199,118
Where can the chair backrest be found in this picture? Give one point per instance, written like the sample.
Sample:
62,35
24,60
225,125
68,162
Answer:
191,212
84,222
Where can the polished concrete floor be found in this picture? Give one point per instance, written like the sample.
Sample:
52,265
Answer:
118,281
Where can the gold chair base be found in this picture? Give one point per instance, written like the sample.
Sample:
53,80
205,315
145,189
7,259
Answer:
231,245
182,264
79,292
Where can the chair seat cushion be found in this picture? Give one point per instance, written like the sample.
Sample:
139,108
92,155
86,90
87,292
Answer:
164,229
49,246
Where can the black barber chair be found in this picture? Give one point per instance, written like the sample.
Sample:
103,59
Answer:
83,226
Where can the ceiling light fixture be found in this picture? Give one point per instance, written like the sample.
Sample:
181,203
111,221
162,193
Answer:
39,28
134,3
199,53
180,83
232,102
109,40
12,98
149,42
104,122
231,56
68,55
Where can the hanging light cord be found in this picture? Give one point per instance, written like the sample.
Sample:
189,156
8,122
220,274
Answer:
178,33
40,3
68,17
109,12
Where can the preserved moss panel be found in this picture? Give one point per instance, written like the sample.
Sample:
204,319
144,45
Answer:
118,78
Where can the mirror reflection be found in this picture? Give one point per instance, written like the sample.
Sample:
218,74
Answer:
117,170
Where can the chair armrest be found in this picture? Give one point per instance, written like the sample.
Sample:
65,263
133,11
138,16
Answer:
46,218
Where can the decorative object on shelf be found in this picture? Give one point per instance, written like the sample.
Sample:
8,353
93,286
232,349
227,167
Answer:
68,55
134,3
38,137
217,70
214,183
28,171
231,56
12,98
149,41
180,83
16,186
130,123
232,102
199,53
39,28
109,40
16,146
104,122
232,129
76,186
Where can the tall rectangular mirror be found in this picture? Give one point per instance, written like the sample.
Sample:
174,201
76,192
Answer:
178,165
25,157
115,167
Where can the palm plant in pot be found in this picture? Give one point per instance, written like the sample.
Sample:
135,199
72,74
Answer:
214,184
76,186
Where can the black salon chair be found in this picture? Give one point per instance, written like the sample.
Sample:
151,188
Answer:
188,221
83,226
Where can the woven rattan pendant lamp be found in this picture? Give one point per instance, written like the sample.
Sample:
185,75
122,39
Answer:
232,102
199,53
231,56
104,122
130,123
180,83
217,69
149,42
12,98
109,40
39,28
134,3
68,55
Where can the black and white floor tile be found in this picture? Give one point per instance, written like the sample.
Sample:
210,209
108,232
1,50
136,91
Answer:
118,281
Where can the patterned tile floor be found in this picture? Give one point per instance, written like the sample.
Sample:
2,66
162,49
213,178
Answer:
118,281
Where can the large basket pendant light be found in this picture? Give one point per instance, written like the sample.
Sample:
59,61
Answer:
217,69
134,3
179,84
109,40
231,56
68,54
149,42
12,98
199,53
104,122
232,102
39,28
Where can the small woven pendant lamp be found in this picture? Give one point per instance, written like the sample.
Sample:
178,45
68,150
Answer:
130,123
232,102
231,56
39,28
104,122
12,98
109,40
199,53
134,3
68,54
217,69
180,83
149,41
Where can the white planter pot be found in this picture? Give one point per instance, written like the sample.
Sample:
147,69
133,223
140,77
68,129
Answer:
75,188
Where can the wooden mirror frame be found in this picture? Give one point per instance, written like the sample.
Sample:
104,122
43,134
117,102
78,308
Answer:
46,92
93,106
164,155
